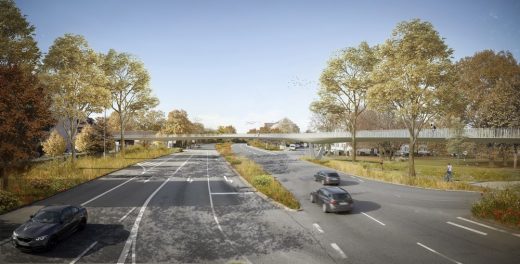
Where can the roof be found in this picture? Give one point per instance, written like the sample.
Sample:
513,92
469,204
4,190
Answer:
335,189
329,171
55,207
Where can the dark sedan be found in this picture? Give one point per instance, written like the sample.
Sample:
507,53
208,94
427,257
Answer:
327,177
333,199
48,226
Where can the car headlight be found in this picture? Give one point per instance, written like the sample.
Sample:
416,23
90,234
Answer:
15,234
41,238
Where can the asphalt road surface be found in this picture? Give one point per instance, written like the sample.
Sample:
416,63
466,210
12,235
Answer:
392,223
191,208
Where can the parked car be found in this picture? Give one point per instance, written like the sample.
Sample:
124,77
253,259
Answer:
333,199
292,147
49,225
327,177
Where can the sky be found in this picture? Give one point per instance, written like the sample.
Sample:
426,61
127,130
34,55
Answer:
245,63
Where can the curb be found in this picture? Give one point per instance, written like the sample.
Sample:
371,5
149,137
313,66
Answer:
263,196
75,186
398,184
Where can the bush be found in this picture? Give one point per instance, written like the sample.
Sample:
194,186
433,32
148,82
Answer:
39,183
8,201
500,205
55,145
262,180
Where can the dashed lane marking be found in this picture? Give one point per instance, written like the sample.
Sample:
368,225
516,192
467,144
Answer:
127,214
338,249
442,255
381,223
318,227
83,253
480,224
467,228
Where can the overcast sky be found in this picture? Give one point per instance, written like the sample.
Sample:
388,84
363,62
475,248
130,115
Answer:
249,62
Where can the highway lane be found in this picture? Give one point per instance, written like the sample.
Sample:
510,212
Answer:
183,208
392,223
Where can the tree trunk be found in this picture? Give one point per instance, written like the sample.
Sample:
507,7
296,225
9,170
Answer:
411,161
122,131
354,141
5,179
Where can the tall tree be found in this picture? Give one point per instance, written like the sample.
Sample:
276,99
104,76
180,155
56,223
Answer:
128,83
414,78
226,130
287,126
17,45
24,104
149,120
177,123
77,84
345,82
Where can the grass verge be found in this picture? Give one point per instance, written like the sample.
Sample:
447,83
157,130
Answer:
392,173
256,176
500,205
264,145
48,178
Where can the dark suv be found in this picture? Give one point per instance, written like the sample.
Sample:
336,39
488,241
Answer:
333,199
327,177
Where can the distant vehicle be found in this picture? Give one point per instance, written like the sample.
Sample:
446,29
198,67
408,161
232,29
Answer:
49,225
297,145
333,199
327,177
292,147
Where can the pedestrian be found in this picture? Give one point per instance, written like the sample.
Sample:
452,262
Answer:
449,171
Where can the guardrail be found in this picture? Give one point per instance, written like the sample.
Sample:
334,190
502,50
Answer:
498,135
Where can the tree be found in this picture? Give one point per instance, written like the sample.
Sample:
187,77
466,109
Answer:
344,85
24,116
198,128
55,145
17,45
287,126
91,139
226,130
128,83
77,84
177,123
413,79
151,120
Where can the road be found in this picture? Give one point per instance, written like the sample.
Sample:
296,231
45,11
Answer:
191,208
183,208
393,223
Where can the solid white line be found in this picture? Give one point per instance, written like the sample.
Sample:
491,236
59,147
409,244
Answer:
480,224
467,228
132,238
442,255
83,253
229,193
318,227
516,235
83,204
374,219
127,214
209,193
133,252
336,247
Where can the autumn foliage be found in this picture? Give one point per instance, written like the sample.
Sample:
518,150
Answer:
55,145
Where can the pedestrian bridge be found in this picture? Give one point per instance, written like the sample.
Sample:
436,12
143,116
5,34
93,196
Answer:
482,135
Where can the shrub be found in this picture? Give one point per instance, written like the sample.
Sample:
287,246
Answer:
8,201
500,205
55,145
39,183
262,180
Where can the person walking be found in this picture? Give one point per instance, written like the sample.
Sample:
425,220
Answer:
449,171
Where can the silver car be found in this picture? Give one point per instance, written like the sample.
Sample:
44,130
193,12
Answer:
333,199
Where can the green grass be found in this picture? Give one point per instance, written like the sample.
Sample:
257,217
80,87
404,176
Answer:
256,176
46,179
500,205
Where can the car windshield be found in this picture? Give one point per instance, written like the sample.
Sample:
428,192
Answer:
341,196
333,175
47,217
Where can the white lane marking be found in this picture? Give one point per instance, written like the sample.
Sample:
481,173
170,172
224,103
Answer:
442,255
127,214
190,180
209,193
336,247
132,238
83,204
230,181
467,228
229,193
357,179
144,169
147,180
397,195
480,224
381,223
133,252
516,235
83,253
318,227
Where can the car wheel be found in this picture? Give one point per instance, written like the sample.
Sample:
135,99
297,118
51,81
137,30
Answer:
323,182
324,208
312,199
82,224
51,244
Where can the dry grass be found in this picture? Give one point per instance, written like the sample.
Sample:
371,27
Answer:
259,178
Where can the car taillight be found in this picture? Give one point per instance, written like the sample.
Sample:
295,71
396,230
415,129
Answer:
334,202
